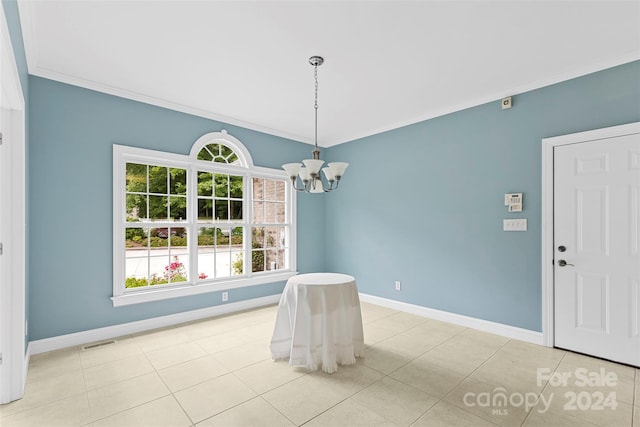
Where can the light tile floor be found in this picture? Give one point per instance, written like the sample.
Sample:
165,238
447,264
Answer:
416,372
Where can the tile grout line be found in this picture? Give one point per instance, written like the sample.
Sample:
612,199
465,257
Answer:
171,393
346,397
276,409
45,403
442,399
486,361
546,386
636,393
439,399
84,384
231,371
93,419
388,375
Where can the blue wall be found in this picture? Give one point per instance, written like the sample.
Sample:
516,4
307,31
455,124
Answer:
424,203
432,219
70,194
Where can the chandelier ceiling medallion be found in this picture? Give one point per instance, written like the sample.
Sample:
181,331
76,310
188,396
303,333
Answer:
309,173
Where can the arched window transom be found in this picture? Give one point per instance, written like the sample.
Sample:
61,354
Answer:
218,153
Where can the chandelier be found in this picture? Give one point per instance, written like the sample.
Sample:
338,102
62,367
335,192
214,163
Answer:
309,173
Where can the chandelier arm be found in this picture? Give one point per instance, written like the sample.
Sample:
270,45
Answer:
327,189
295,187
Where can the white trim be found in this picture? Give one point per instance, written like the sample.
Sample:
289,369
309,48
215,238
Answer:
108,332
223,138
12,225
27,359
508,331
548,145
594,135
547,242
152,100
145,155
512,91
187,290
99,334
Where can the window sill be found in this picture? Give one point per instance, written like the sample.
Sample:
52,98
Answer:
187,290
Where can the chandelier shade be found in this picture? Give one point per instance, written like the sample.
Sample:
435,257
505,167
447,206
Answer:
308,172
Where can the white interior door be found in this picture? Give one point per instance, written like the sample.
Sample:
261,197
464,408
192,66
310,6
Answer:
4,326
12,225
596,247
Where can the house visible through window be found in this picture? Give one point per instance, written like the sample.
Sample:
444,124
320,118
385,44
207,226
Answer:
198,223
269,229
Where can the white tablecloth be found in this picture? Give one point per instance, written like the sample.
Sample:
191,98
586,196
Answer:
319,322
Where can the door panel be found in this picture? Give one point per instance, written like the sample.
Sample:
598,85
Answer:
593,220
592,300
596,217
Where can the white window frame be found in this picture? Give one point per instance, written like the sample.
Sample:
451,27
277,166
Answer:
123,154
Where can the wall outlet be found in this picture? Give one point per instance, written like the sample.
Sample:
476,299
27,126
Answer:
398,285
225,296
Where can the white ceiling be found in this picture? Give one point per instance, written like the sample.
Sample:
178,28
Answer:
387,63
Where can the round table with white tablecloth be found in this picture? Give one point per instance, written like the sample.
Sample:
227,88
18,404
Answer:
319,322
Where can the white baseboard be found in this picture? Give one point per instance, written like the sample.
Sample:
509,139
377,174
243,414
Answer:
458,319
108,332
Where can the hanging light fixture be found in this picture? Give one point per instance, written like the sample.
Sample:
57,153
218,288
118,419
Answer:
309,173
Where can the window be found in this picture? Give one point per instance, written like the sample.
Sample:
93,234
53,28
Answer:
155,237
208,221
269,229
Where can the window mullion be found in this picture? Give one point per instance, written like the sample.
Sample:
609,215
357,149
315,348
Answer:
215,237
192,223
247,197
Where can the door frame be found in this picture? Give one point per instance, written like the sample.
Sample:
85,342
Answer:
548,145
13,369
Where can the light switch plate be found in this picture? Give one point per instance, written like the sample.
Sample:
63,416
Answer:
519,224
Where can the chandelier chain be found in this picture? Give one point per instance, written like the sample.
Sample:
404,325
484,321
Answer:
315,105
